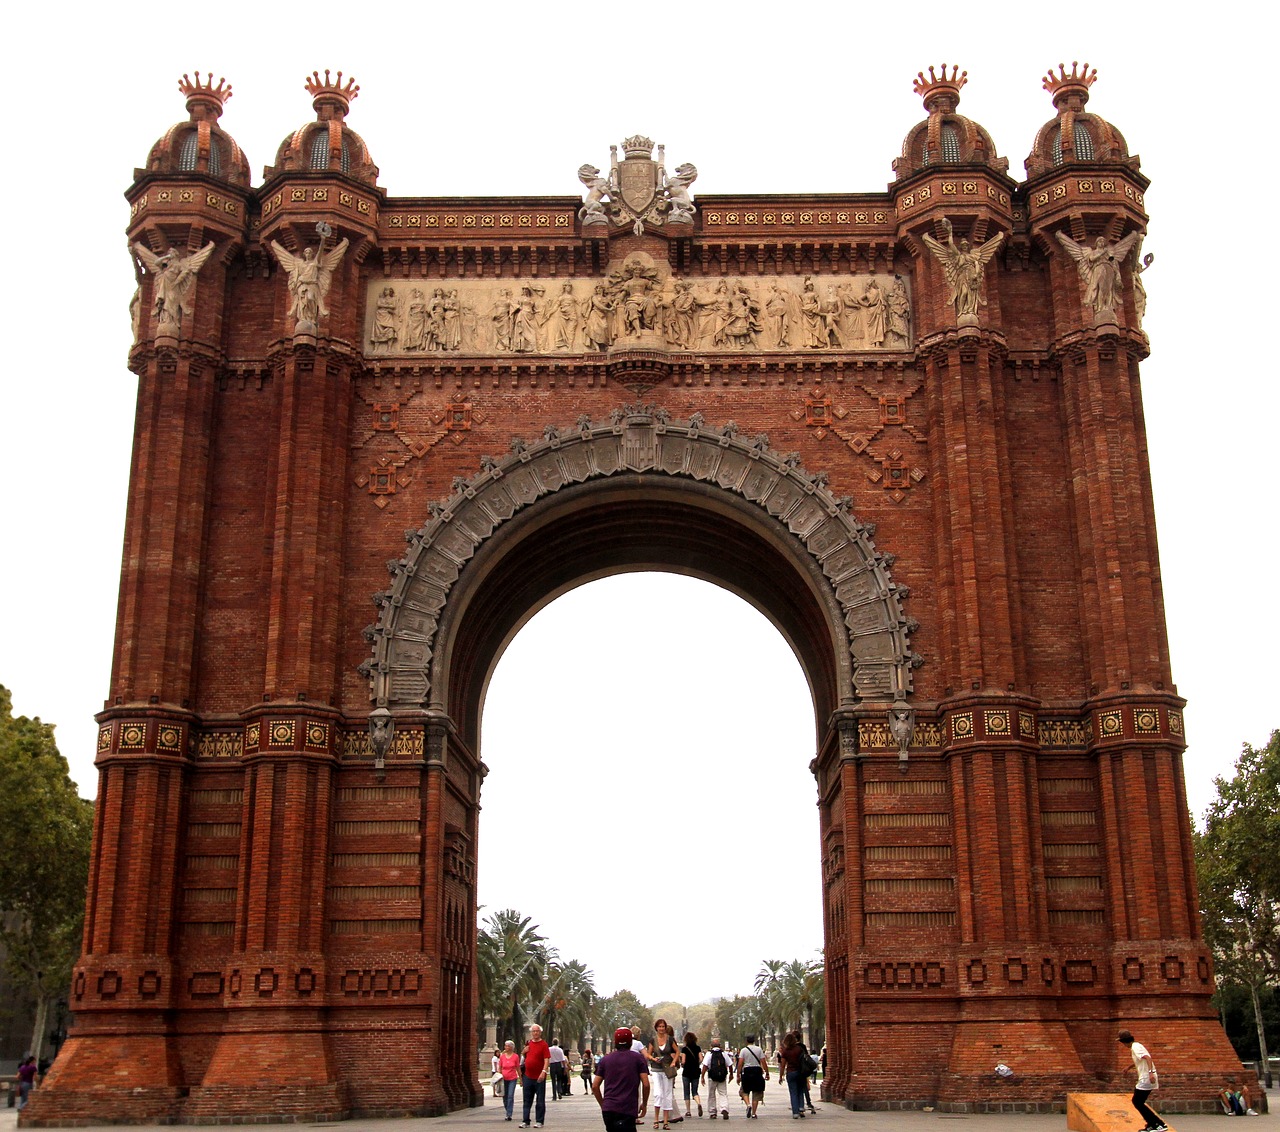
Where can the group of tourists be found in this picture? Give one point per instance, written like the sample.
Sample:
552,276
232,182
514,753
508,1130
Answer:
624,1080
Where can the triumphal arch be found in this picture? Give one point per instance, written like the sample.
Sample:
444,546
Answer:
374,434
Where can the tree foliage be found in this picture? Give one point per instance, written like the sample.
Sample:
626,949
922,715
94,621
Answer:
1238,864
45,833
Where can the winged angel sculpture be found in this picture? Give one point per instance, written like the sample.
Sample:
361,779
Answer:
964,267
174,274
309,277
1101,285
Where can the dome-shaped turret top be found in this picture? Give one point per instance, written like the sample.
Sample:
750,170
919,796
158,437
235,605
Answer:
327,145
200,145
1075,135
945,137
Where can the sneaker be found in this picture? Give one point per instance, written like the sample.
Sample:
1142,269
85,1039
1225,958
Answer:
724,1114
525,1124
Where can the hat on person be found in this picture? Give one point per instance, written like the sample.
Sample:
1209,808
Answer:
622,1035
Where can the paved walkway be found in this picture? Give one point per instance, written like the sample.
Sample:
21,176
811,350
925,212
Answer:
579,1113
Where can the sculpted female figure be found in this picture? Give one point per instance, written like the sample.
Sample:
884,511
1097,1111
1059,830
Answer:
599,321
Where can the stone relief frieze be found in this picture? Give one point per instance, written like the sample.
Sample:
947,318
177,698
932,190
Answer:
637,304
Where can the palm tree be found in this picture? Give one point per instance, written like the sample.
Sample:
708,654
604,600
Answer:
567,1002
768,988
512,963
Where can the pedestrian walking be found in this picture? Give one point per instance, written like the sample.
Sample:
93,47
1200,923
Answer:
793,1073
27,1070
717,1072
588,1066
509,1071
1148,1081
690,1071
534,1083
753,1072
664,1063
559,1070
615,1081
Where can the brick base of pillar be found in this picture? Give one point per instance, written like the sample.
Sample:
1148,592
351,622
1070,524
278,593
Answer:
108,1079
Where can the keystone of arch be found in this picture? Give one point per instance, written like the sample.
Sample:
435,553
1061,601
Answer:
645,440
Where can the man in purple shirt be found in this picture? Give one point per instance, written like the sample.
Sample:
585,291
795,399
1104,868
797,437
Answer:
621,1073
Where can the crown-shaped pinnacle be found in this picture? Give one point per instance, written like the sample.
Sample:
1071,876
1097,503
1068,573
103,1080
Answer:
203,98
1063,86
940,87
316,87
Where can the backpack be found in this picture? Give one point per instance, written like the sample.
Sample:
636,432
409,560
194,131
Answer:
717,1068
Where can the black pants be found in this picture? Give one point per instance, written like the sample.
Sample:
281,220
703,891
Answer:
619,1121
1140,1103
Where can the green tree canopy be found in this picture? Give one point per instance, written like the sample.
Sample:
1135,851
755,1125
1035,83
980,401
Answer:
1238,864
45,833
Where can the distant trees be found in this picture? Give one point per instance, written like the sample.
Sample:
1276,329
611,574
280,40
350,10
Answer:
792,996
1238,864
45,833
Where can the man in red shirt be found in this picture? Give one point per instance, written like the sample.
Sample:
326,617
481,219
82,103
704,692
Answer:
536,1055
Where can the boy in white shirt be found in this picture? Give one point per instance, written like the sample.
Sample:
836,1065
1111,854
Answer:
1148,1081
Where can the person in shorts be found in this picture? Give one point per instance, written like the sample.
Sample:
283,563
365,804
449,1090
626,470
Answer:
753,1072
617,1077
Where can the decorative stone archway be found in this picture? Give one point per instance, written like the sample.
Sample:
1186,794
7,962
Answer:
870,632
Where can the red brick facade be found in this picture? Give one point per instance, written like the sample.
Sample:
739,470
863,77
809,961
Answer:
946,511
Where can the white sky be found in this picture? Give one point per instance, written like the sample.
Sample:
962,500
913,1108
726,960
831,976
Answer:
506,99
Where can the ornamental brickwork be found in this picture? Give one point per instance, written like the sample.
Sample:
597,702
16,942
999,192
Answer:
373,434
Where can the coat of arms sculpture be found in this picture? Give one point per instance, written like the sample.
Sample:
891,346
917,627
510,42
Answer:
638,189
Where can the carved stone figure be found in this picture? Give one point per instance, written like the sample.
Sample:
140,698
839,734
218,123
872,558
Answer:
415,323
637,190
1140,264
779,317
381,731
902,722
384,334
562,320
964,267
524,325
637,289
899,312
874,311
310,276
743,327
174,276
598,322
451,315
135,314
678,195
501,315
1101,285
592,210
811,319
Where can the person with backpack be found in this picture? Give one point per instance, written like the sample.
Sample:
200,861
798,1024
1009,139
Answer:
790,1067
717,1072
753,1072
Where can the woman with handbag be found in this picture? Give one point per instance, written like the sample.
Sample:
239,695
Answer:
664,1065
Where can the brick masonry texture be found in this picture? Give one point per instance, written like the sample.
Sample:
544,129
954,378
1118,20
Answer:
264,894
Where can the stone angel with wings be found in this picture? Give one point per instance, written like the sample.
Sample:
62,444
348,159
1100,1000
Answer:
1101,285
964,268
174,274
310,275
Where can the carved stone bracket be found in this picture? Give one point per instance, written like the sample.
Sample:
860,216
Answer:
642,439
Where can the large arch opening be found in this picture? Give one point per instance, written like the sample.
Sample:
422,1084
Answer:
687,762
